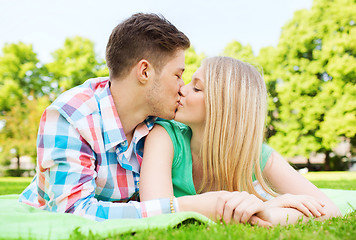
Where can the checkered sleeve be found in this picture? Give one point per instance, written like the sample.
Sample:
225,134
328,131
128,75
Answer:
66,175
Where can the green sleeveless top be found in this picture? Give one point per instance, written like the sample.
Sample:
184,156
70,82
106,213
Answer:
182,177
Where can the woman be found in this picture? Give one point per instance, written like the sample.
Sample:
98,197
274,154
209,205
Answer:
225,107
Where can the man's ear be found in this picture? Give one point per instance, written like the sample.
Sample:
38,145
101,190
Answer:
144,71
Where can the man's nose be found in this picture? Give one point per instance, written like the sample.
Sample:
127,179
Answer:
182,90
181,83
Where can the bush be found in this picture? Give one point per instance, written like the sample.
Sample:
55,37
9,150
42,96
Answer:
15,172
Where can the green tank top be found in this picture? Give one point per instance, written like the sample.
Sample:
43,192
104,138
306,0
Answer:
182,177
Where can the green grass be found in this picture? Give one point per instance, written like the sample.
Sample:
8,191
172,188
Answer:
331,176
336,228
13,185
334,180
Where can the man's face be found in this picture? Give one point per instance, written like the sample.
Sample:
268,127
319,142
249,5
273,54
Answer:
163,97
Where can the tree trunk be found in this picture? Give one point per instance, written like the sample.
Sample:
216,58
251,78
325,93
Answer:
309,164
327,161
18,161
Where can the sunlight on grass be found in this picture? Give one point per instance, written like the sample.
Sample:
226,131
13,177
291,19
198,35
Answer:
330,176
15,179
13,185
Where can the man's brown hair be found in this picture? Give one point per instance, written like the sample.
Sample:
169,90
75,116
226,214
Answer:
143,36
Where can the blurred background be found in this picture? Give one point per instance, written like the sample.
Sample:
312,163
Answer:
305,49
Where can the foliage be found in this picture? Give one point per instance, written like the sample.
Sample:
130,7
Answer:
21,75
192,63
236,50
74,63
19,134
312,73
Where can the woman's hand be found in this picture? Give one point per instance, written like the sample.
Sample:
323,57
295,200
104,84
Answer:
308,205
239,207
225,206
284,179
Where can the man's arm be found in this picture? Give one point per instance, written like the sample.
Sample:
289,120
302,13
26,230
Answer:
66,176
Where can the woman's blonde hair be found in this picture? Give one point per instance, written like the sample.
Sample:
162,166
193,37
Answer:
236,108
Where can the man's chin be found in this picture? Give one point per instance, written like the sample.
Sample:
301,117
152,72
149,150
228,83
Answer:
176,117
167,116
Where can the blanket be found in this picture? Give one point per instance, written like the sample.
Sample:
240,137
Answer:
18,220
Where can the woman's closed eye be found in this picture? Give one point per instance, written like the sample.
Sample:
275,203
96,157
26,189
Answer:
196,89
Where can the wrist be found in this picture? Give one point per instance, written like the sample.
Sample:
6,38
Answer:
174,205
184,204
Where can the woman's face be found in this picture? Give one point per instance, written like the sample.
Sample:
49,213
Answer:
191,109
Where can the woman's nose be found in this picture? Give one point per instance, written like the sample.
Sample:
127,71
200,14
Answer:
183,91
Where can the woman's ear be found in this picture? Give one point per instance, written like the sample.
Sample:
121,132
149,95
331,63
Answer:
144,71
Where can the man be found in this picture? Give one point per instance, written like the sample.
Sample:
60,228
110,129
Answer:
91,137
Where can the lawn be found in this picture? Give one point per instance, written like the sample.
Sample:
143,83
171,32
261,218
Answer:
334,180
13,185
337,228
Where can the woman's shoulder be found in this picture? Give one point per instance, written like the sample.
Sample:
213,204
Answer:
265,155
266,149
171,125
180,135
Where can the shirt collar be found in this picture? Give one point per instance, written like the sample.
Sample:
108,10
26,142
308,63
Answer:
113,131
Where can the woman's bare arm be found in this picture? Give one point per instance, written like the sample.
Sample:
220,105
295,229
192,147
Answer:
284,179
156,168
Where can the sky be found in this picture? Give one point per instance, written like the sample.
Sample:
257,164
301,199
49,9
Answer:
209,24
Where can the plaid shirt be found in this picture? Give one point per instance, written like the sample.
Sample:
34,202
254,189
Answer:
84,163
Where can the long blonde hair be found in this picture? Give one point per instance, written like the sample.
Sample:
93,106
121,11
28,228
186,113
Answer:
236,108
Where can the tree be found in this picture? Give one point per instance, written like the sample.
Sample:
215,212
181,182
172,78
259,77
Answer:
238,51
19,132
315,74
74,63
192,63
267,59
21,74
